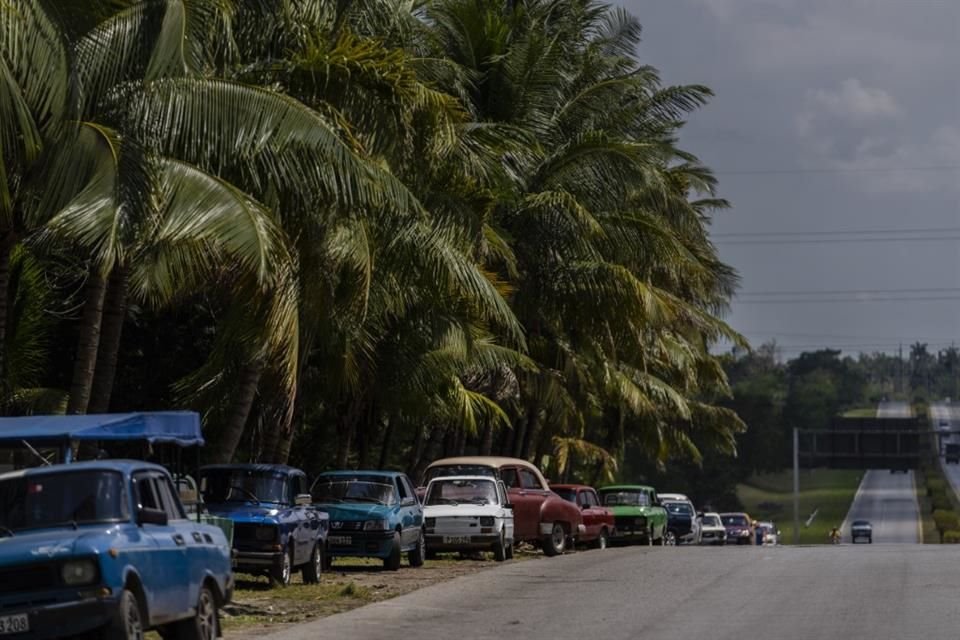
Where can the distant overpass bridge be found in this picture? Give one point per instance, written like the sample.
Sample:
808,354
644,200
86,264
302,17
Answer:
869,443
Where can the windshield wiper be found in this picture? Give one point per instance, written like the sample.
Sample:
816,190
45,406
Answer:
247,492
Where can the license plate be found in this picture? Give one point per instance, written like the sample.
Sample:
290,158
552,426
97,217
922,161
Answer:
456,539
18,623
340,540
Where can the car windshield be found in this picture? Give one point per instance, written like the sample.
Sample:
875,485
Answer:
861,523
735,520
711,521
629,498
461,492
243,485
679,508
54,499
360,488
447,470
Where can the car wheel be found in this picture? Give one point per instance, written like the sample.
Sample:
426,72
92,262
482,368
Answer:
204,625
602,540
128,622
554,544
510,551
670,539
500,548
392,562
282,572
312,570
419,553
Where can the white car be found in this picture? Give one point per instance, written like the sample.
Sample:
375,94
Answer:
712,530
770,533
673,497
468,513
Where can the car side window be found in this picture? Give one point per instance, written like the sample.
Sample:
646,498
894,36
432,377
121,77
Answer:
528,480
170,504
299,486
408,486
583,499
146,493
502,491
591,498
401,489
510,478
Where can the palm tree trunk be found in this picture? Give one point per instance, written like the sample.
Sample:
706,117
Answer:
486,440
6,249
88,344
225,445
416,451
387,438
114,313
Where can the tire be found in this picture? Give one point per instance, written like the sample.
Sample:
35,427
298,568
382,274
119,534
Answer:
419,553
602,541
128,623
500,548
431,555
392,562
510,551
670,539
312,571
657,542
204,625
282,573
555,543
327,561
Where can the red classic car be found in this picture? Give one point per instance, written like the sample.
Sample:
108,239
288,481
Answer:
597,519
540,516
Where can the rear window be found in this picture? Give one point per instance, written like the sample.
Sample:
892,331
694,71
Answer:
678,508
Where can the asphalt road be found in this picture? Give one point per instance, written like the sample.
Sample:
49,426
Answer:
889,502
940,413
894,410
869,592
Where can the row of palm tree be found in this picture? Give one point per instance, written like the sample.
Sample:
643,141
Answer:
427,226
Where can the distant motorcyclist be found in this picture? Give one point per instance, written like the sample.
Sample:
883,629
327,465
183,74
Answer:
835,535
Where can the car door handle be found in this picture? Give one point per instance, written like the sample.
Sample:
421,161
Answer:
179,540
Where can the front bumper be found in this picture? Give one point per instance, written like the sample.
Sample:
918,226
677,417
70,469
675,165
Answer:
254,561
481,542
739,539
360,544
713,537
64,619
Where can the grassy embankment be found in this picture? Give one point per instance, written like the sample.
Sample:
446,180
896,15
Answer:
828,491
863,412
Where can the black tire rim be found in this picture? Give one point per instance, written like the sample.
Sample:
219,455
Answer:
207,616
132,624
557,538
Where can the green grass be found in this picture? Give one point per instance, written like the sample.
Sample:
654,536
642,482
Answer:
863,412
928,528
829,491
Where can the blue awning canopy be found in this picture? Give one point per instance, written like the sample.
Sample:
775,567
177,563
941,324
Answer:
175,427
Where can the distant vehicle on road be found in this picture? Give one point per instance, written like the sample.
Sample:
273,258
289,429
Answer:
540,516
767,534
468,513
373,514
638,514
739,528
944,424
276,530
860,530
682,521
952,452
673,497
107,547
598,520
712,530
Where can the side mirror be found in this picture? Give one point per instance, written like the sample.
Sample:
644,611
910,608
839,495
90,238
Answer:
408,502
151,516
303,499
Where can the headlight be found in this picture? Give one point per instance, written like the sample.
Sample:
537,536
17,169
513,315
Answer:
79,572
266,534
486,521
376,525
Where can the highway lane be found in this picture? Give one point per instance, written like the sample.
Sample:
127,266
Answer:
868,592
889,502
944,418
894,410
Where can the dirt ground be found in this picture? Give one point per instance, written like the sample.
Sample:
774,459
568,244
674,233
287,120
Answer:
257,607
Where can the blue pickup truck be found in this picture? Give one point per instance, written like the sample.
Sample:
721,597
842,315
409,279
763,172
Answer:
106,547
276,530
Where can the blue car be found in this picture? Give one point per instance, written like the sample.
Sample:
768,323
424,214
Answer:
276,530
106,547
373,514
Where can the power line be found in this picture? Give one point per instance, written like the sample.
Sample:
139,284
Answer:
858,300
851,292
832,232
849,337
834,170
787,240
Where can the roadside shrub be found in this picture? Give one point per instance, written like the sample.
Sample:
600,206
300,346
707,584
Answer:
935,485
946,520
951,537
941,503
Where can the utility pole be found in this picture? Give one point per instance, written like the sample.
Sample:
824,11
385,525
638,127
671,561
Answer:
796,486
900,363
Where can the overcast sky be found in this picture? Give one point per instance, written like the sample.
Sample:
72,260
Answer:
830,115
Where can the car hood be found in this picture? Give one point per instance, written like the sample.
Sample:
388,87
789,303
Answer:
712,527
49,544
462,510
361,511
628,510
245,512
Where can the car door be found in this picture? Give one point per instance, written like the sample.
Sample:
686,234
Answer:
507,512
411,514
163,568
304,517
659,514
526,508
588,503
534,494
189,539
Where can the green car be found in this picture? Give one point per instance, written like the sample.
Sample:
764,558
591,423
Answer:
637,514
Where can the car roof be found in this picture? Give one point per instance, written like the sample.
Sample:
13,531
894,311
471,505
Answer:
267,468
628,487
680,497
571,486
735,513
122,466
482,461
361,472
765,523
473,478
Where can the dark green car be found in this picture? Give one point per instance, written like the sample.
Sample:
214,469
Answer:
637,514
